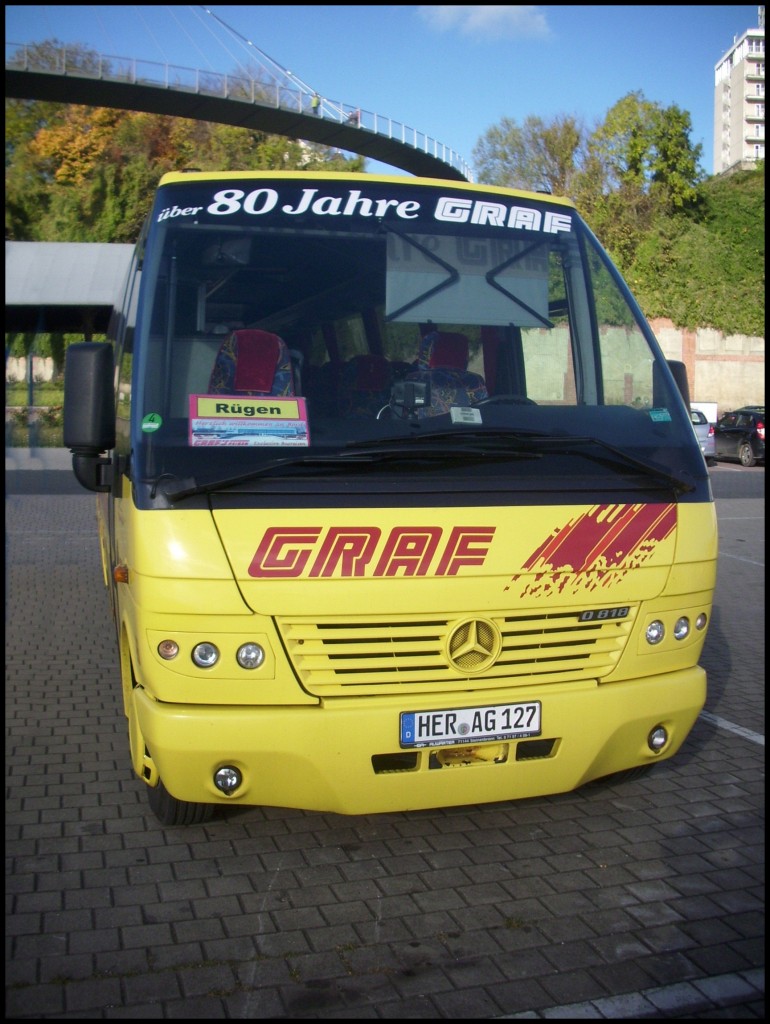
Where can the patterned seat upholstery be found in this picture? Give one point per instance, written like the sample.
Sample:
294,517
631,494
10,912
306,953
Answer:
442,361
252,362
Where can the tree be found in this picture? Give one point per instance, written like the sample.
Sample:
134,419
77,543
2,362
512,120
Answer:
88,174
535,156
76,143
640,164
620,144
674,162
692,249
706,268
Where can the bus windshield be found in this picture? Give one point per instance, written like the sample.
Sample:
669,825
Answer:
284,320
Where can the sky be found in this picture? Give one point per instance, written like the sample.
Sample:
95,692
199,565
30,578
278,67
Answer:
450,72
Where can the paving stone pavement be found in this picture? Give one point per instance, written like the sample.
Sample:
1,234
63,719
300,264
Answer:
642,899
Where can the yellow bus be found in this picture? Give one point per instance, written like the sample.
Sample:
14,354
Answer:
400,504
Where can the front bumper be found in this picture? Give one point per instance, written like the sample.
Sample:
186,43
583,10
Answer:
343,755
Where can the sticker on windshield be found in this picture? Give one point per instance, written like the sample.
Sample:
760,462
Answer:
660,415
151,422
464,414
235,421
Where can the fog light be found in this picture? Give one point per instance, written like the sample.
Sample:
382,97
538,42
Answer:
681,628
700,622
655,632
250,655
205,655
657,739
168,649
227,779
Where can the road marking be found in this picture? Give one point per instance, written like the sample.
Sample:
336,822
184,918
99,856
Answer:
722,723
739,558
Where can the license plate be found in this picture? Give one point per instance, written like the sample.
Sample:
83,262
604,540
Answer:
470,725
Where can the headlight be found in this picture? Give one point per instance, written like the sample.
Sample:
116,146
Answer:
205,655
250,655
681,628
655,632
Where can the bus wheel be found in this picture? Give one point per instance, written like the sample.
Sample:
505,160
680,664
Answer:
170,811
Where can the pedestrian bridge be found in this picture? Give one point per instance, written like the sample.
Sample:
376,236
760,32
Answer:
270,103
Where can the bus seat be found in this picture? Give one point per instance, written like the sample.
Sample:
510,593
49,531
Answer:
252,362
364,385
442,361
443,348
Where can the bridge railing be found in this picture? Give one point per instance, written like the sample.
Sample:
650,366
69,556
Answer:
267,91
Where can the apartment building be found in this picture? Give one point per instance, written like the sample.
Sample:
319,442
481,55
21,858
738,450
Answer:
739,101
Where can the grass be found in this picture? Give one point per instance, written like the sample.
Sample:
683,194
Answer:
46,430
39,435
42,394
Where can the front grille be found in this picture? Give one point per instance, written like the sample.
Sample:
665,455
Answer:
400,654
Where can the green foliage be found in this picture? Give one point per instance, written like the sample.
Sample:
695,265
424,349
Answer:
20,343
48,393
41,345
537,155
674,162
707,268
640,166
42,429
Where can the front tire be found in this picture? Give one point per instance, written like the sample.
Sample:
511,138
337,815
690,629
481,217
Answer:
170,811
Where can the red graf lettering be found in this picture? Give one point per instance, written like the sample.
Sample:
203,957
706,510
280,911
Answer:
409,550
460,550
348,548
278,556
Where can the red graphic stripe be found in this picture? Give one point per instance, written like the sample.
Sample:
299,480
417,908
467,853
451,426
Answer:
610,533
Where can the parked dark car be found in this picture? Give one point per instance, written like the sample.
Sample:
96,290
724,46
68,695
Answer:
741,435
704,431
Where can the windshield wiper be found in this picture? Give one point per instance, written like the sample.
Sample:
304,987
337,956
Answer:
567,446
359,453
498,444
242,478
466,438
520,442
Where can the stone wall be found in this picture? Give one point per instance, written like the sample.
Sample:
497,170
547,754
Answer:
726,369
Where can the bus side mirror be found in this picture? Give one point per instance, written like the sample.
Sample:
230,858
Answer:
89,416
679,373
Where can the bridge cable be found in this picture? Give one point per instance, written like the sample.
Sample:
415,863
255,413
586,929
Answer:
284,71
